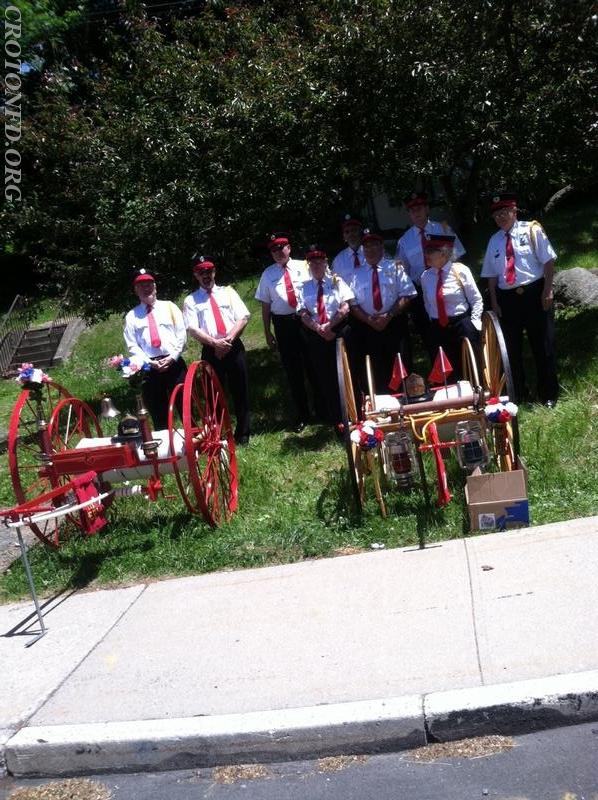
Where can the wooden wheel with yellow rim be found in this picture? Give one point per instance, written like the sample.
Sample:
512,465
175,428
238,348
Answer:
498,381
469,364
373,458
350,419
496,369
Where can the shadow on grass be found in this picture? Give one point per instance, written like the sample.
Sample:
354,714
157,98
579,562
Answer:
317,439
335,504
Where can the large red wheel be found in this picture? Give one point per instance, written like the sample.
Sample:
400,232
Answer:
71,421
209,445
25,449
176,437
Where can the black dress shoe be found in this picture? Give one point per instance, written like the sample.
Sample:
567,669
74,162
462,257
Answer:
550,403
300,426
242,441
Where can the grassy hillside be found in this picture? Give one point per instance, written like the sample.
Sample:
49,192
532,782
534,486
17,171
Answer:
294,497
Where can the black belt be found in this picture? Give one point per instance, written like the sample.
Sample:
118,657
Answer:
526,287
453,320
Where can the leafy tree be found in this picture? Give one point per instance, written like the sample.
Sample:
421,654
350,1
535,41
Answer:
206,131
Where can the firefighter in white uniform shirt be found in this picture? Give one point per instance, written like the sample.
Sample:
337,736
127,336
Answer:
383,292
216,316
452,299
410,252
155,334
323,308
278,291
351,258
519,265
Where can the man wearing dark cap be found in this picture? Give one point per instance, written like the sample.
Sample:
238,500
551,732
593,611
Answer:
410,252
278,291
216,316
452,299
323,309
383,292
351,258
155,334
519,265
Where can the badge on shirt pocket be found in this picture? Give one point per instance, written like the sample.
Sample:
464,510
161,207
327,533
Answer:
523,240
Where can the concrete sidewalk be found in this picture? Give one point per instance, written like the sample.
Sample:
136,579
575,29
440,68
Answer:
369,652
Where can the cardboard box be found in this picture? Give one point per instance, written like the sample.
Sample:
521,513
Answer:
497,501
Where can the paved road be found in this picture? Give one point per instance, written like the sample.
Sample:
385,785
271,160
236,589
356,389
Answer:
560,764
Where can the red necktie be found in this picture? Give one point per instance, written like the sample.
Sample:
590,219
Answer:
322,315
291,296
440,305
376,294
155,340
510,266
220,326
356,261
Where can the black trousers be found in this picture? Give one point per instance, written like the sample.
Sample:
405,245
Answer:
322,357
296,364
523,312
382,347
232,374
156,389
421,322
450,337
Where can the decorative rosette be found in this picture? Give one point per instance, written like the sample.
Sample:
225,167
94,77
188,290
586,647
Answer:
128,366
28,374
367,435
496,411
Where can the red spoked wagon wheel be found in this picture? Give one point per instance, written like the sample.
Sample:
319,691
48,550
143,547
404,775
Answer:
72,420
25,450
209,446
176,437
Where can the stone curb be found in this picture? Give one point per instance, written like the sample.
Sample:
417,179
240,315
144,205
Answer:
263,736
512,708
303,733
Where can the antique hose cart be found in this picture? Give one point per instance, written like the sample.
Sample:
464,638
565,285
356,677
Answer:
65,472
387,436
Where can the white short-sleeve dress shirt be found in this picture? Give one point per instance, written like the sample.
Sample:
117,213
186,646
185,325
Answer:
198,314
530,254
394,283
459,290
272,289
409,248
171,329
336,292
344,263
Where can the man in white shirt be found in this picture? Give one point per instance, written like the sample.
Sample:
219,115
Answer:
323,309
278,291
216,316
351,258
452,299
383,292
519,265
411,254
155,335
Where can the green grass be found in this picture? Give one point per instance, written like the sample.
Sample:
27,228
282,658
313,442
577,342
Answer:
295,501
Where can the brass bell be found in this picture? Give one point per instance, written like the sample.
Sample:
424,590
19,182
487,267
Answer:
109,410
